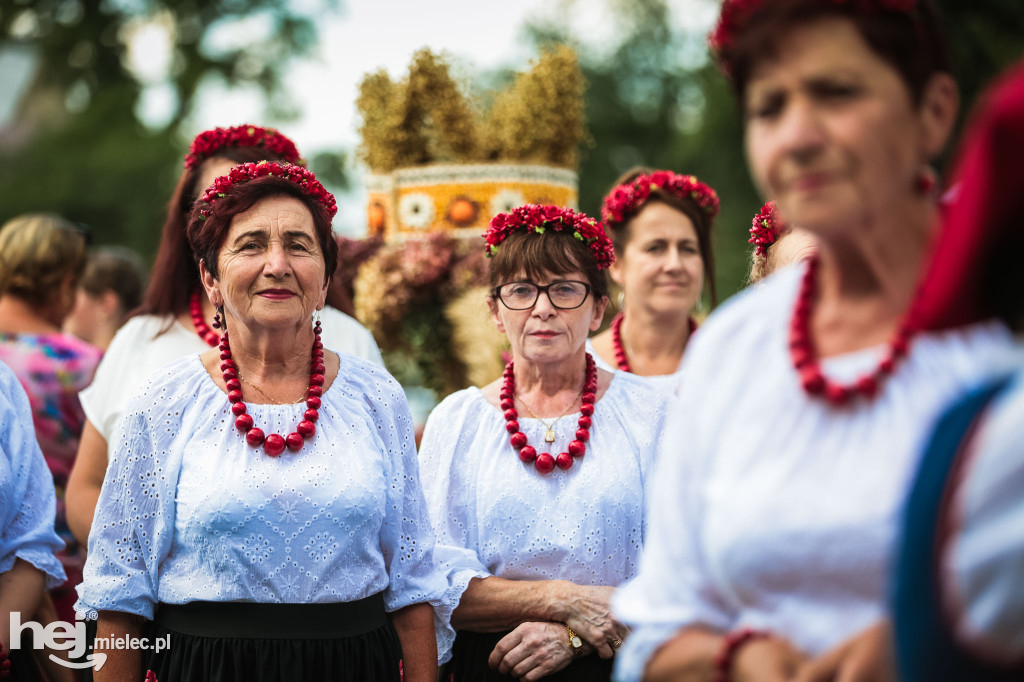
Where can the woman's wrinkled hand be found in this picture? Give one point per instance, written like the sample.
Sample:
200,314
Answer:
589,614
532,651
867,657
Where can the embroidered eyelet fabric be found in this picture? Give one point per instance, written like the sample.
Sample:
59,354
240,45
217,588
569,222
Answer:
773,510
497,516
139,349
190,512
27,498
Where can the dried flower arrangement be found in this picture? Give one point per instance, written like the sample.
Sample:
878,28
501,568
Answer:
446,167
426,118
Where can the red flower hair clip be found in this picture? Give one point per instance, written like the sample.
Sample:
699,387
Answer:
628,197
735,14
537,219
207,143
244,172
765,229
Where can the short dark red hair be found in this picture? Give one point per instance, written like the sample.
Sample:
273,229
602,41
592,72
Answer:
175,274
206,234
539,255
912,42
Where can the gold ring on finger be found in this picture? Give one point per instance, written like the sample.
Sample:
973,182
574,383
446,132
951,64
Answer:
616,643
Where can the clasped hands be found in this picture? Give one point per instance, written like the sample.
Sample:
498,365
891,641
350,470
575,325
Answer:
534,650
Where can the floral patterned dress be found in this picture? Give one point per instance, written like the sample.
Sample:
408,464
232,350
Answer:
53,368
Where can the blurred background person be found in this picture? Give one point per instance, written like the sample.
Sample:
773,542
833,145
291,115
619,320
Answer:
806,401
175,317
110,288
776,244
660,223
28,543
41,260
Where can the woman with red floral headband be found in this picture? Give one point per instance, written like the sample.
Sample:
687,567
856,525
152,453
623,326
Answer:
660,223
776,244
806,400
536,483
267,537
174,319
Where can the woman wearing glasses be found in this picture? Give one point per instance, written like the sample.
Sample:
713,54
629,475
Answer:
535,483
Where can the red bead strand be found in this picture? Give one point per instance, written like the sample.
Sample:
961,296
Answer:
274,444
621,359
544,462
195,309
805,360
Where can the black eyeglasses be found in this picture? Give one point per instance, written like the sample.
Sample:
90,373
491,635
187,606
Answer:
563,294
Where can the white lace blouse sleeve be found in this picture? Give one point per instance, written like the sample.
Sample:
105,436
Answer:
449,498
27,498
672,589
134,523
406,538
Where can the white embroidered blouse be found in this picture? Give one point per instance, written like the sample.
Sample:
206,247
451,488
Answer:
778,511
27,498
496,516
139,349
190,512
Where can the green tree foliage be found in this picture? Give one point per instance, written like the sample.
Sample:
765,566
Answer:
654,99
77,147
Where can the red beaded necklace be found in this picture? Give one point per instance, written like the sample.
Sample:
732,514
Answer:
544,462
275,443
805,361
195,308
621,358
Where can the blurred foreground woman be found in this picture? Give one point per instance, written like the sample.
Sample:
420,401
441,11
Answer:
806,400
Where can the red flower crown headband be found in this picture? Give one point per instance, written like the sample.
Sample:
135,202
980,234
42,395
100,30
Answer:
765,229
244,172
209,142
735,14
628,197
538,219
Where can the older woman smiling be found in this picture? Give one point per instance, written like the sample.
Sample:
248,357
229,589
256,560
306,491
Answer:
315,564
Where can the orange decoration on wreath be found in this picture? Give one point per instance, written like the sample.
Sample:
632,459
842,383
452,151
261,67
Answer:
462,212
375,214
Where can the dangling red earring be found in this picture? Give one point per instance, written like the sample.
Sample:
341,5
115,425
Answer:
924,183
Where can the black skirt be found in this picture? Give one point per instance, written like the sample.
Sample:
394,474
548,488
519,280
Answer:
236,642
471,650
23,666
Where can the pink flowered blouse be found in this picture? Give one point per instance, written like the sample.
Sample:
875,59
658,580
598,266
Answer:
53,368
